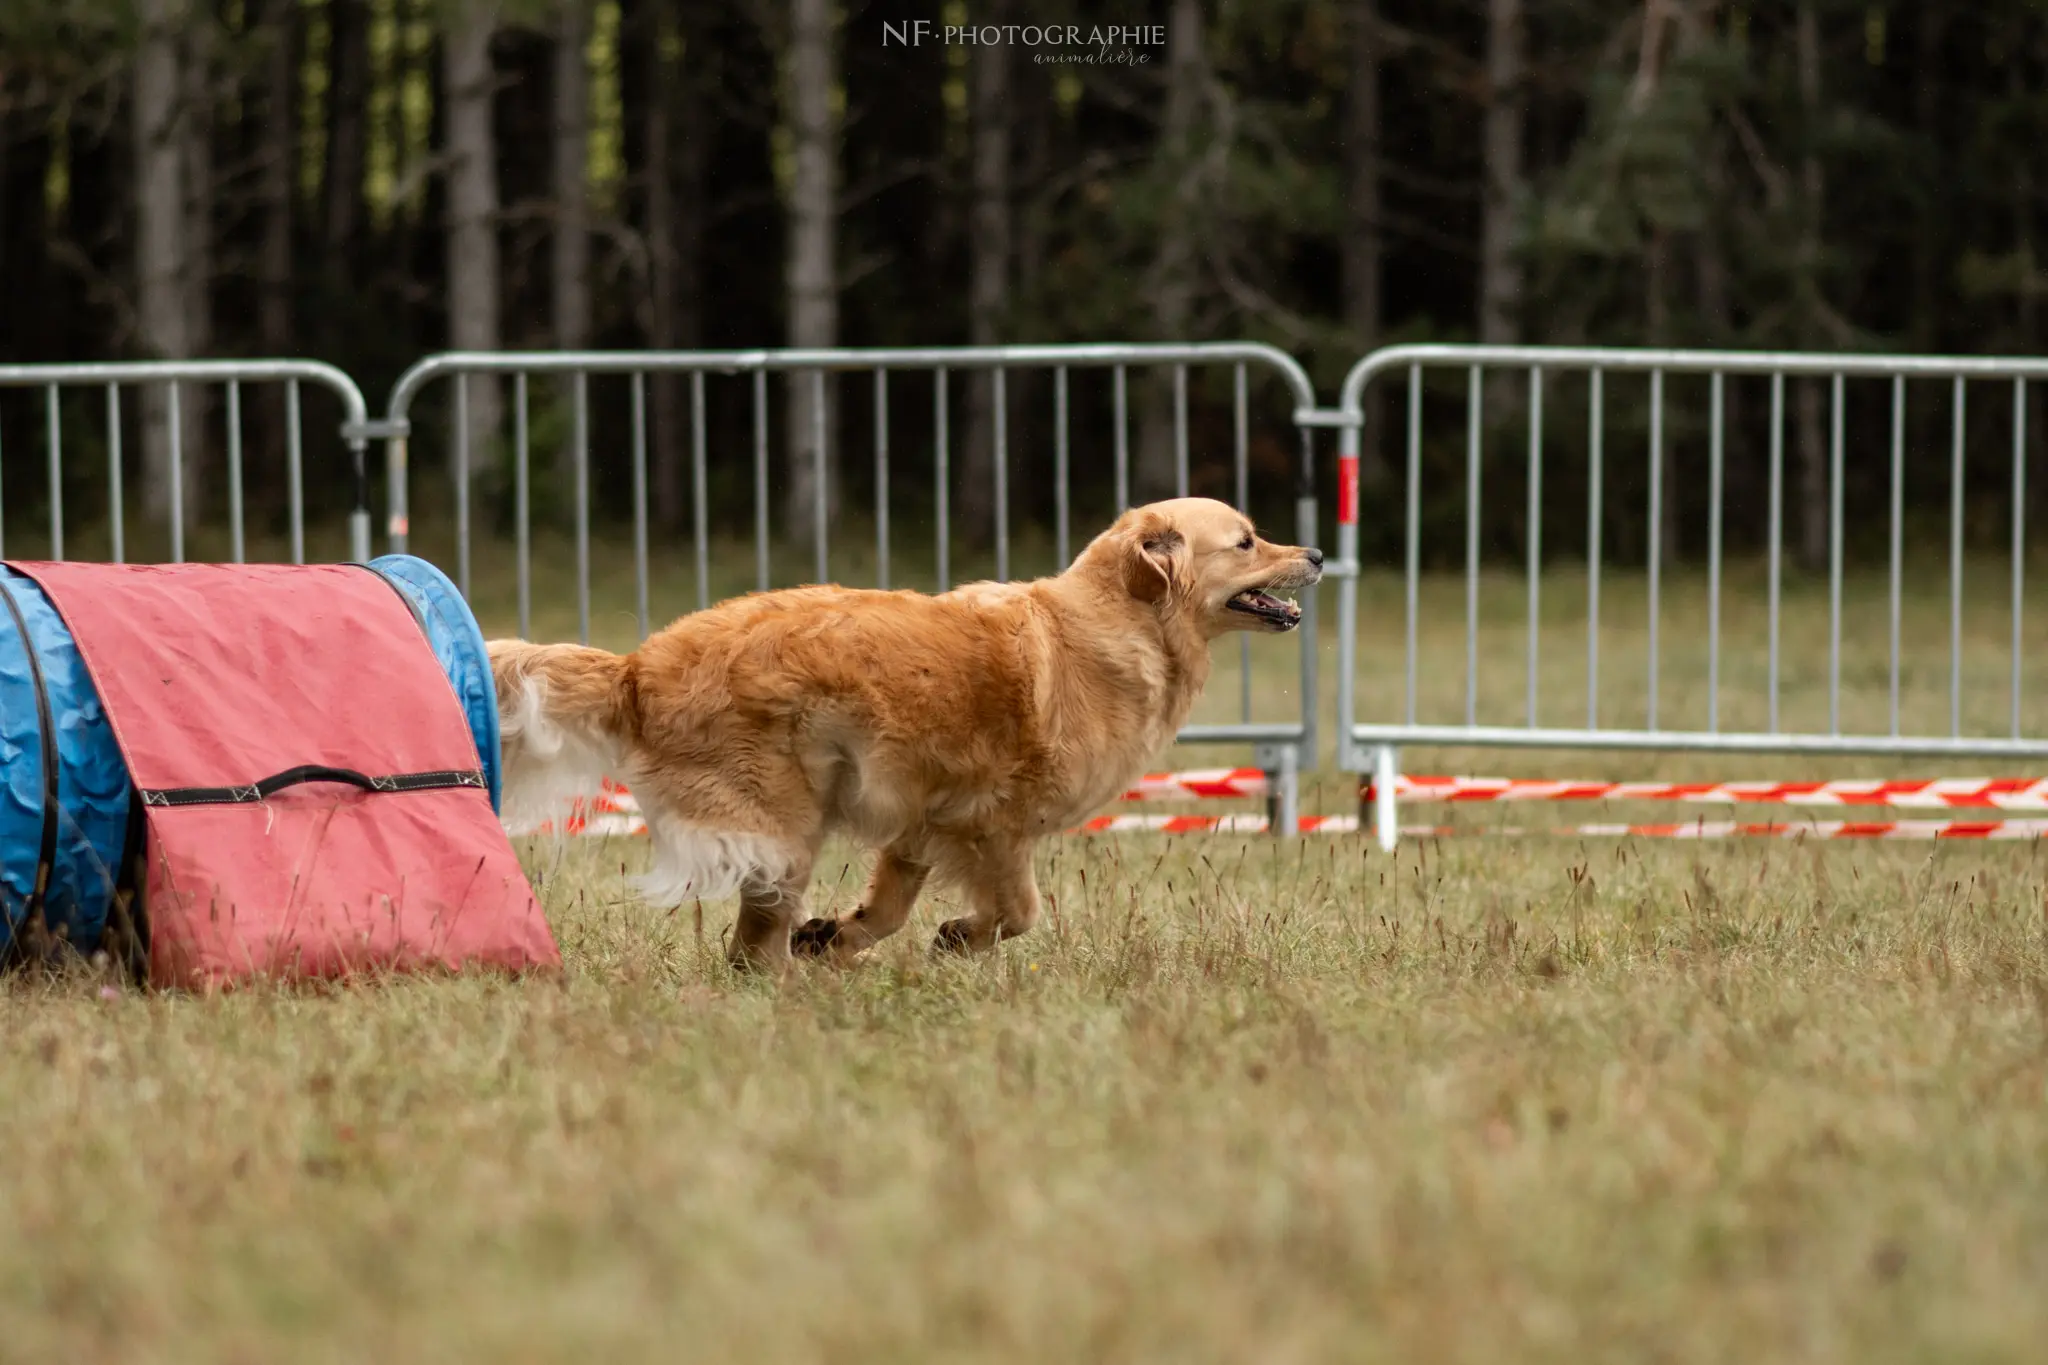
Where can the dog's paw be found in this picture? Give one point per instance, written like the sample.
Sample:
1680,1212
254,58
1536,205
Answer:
814,938
954,936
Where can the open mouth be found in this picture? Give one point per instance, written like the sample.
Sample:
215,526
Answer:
1275,611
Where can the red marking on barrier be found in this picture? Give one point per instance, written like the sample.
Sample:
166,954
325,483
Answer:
1347,490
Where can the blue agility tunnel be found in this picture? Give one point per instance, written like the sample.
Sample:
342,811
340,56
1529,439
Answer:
68,810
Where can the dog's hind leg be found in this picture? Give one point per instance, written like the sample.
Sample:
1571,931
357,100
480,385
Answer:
891,893
1004,896
768,911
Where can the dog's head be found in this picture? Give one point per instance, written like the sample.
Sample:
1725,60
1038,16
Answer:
1203,561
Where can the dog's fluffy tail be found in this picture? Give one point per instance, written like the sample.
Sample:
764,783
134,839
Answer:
564,718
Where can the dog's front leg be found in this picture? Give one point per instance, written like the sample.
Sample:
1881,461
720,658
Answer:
891,893
1004,896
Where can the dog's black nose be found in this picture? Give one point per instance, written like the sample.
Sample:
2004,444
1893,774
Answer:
1315,557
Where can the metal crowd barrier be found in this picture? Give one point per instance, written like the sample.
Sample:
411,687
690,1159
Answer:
174,375
1372,744
1280,747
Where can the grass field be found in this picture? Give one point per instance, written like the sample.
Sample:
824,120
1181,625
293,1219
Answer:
1236,1100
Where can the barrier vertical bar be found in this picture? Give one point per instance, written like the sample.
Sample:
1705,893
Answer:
1002,473
1412,569
582,421
1180,431
235,467
761,480
1347,594
115,511
942,478
522,509
295,482
1348,443
1062,493
2019,533
1777,530
1472,439
177,476
881,478
398,527
1714,473
1309,632
1955,567
461,459
1123,443
1835,406
1241,462
54,426
640,590
1596,425
821,489
1535,523
1898,506
700,512
1656,528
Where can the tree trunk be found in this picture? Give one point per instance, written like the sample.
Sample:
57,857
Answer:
277,156
812,278
2031,277
1500,272
163,319
569,259
1930,244
1173,276
1362,240
196,400
473,276
668,473
348,112
1813,472
988,289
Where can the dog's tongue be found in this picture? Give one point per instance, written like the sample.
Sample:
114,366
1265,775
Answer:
1267,602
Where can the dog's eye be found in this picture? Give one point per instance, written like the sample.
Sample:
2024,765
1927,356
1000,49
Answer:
1246,543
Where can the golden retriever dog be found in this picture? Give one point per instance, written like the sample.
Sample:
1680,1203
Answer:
949,732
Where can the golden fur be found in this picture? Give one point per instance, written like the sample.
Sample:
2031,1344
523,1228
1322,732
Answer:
950,732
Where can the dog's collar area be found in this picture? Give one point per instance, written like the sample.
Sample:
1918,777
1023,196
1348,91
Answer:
1265,606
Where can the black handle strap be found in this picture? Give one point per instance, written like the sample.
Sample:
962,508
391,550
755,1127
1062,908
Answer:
31,924
310,772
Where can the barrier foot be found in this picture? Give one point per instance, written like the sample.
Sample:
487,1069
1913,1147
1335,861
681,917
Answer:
1283,795
1385,766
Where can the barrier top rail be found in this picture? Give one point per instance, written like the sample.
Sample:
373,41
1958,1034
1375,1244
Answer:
356,412
845,358
1633,360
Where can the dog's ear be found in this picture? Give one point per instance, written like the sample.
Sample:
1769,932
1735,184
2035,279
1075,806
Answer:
1153,559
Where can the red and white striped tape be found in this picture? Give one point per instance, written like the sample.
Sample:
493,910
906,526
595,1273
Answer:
1199,784
1694,829
1939,793
613,811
